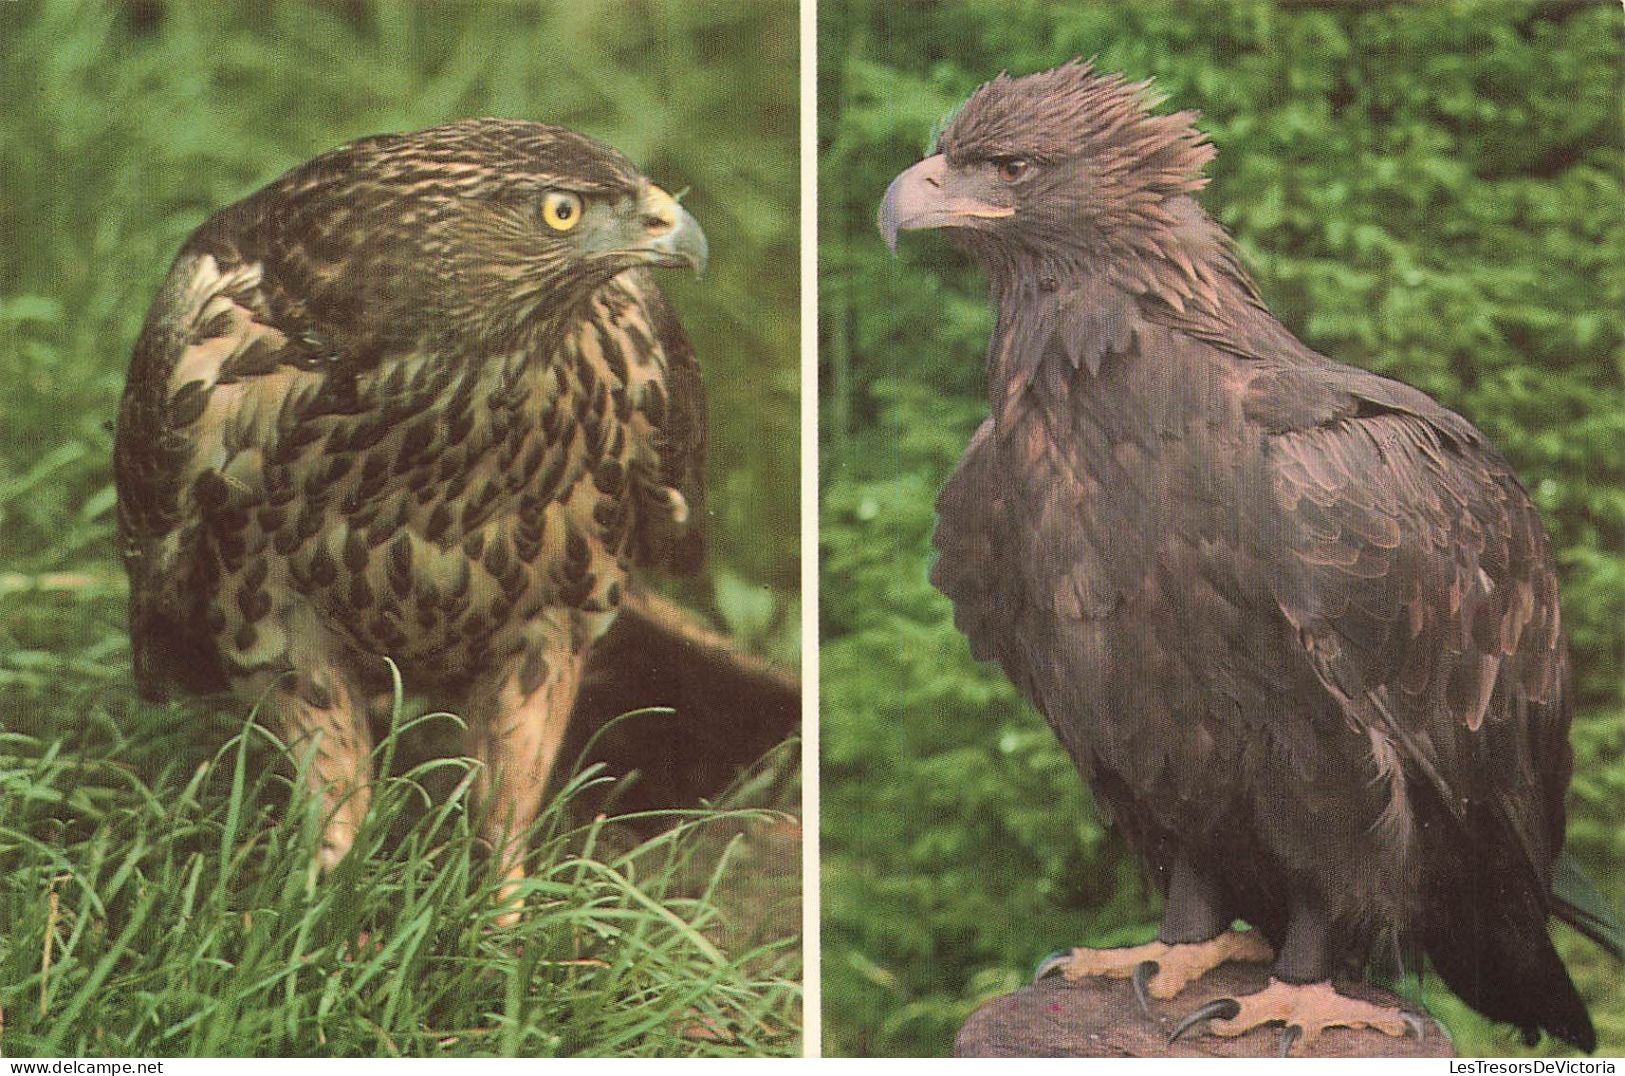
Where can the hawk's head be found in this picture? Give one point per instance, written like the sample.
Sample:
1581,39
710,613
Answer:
1061,166
477,228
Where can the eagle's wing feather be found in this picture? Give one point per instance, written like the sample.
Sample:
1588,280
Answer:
1420,582
1417,574
1418,577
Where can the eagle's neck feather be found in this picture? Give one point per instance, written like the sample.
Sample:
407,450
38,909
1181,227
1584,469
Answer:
1064,313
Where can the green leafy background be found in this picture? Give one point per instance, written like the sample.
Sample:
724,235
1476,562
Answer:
1429,190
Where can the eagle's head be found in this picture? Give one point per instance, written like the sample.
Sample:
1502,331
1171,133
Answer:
479,228
1062,169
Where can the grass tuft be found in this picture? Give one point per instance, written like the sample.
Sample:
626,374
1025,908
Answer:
184,916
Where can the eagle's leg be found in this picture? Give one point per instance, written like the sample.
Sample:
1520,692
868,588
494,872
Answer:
1195,939
1300,995
518,729
322,709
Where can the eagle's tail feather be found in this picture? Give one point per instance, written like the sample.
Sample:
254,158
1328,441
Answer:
1577,901
1486,936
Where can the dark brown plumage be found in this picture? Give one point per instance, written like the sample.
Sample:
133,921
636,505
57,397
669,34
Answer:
1296,623
417,399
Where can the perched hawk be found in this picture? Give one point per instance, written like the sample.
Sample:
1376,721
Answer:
418,399
1297,624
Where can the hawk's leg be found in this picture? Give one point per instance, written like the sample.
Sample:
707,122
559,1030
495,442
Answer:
323,710
1300,996
1195,939
517,731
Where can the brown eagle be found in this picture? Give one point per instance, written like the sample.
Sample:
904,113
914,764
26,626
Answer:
418,399
1297,624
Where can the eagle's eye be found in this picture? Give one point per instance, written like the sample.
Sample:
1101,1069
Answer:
561,210
1010,169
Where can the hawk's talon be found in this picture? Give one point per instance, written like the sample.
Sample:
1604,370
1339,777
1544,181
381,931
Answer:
1142,975
1414,1023
1290,1034
1217,1009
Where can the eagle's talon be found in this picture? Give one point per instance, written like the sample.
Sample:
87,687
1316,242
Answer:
1308,1009
1217,1009
1173,966
1051,964
1142,975
1414,1023
1290,1034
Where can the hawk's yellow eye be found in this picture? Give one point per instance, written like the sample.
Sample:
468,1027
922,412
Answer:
561,210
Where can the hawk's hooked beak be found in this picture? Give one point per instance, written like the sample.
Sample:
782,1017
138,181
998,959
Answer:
919,198
660,232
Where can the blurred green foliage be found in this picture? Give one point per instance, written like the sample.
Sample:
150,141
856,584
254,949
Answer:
124,125
1431,190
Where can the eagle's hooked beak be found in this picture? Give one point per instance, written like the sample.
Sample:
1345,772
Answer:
919,198
658,231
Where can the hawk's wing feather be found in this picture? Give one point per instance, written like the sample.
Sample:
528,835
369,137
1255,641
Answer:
203,327
223,354
680,434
